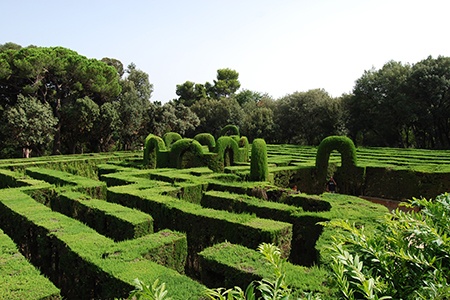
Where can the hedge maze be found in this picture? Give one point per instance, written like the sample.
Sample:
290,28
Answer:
85,226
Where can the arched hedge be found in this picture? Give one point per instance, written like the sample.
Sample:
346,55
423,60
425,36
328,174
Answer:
349,173
229,130
343,145
224,144
152,147
170,138
206,139
180,148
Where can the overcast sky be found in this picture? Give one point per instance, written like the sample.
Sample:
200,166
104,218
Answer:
278,46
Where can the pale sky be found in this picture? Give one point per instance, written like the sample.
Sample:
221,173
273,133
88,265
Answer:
278,47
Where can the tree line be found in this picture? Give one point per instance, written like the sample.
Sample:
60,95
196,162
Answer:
55,101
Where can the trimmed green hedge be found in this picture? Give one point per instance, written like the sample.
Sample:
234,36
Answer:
94,188
227,150
78,259
305,229
10,179
206,139
230,265
343,145
204,227
18,278
170,138
186,153
351,178
259,170
229,130
112,220
154,147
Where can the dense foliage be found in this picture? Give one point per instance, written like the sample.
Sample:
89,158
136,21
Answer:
99,105
406,258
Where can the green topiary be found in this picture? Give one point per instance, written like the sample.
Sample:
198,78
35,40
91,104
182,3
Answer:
230,130
153,144
227,150
244,148
259,170
343,145
206,139
170,138
183,147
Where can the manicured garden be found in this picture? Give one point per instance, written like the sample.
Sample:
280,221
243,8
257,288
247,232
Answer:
192,213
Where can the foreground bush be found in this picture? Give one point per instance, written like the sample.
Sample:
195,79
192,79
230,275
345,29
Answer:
408,257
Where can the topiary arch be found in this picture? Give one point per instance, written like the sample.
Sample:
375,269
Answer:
227,150
181,148
206,139
170,138
344,146
230,130
152,147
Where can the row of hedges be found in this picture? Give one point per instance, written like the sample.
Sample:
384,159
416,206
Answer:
180,200
18,278
230,265
204,227
175,152
114,221
104,269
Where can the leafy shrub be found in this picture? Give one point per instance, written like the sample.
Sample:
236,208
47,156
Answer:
408,257
154,292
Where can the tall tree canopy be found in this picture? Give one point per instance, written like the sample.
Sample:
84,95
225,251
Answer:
29,124
307,117
134,102
429,93
225,85
190,92
56,76
380,113
402,105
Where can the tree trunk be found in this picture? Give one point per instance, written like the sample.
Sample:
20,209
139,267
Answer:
57,138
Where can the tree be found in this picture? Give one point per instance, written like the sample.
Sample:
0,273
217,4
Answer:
57,76
106,128
134,101
380,113
258,119
28,124
117,64
246,96
217,113
428,90
9,46
307,117
189,93
78,118
227,83
172,117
